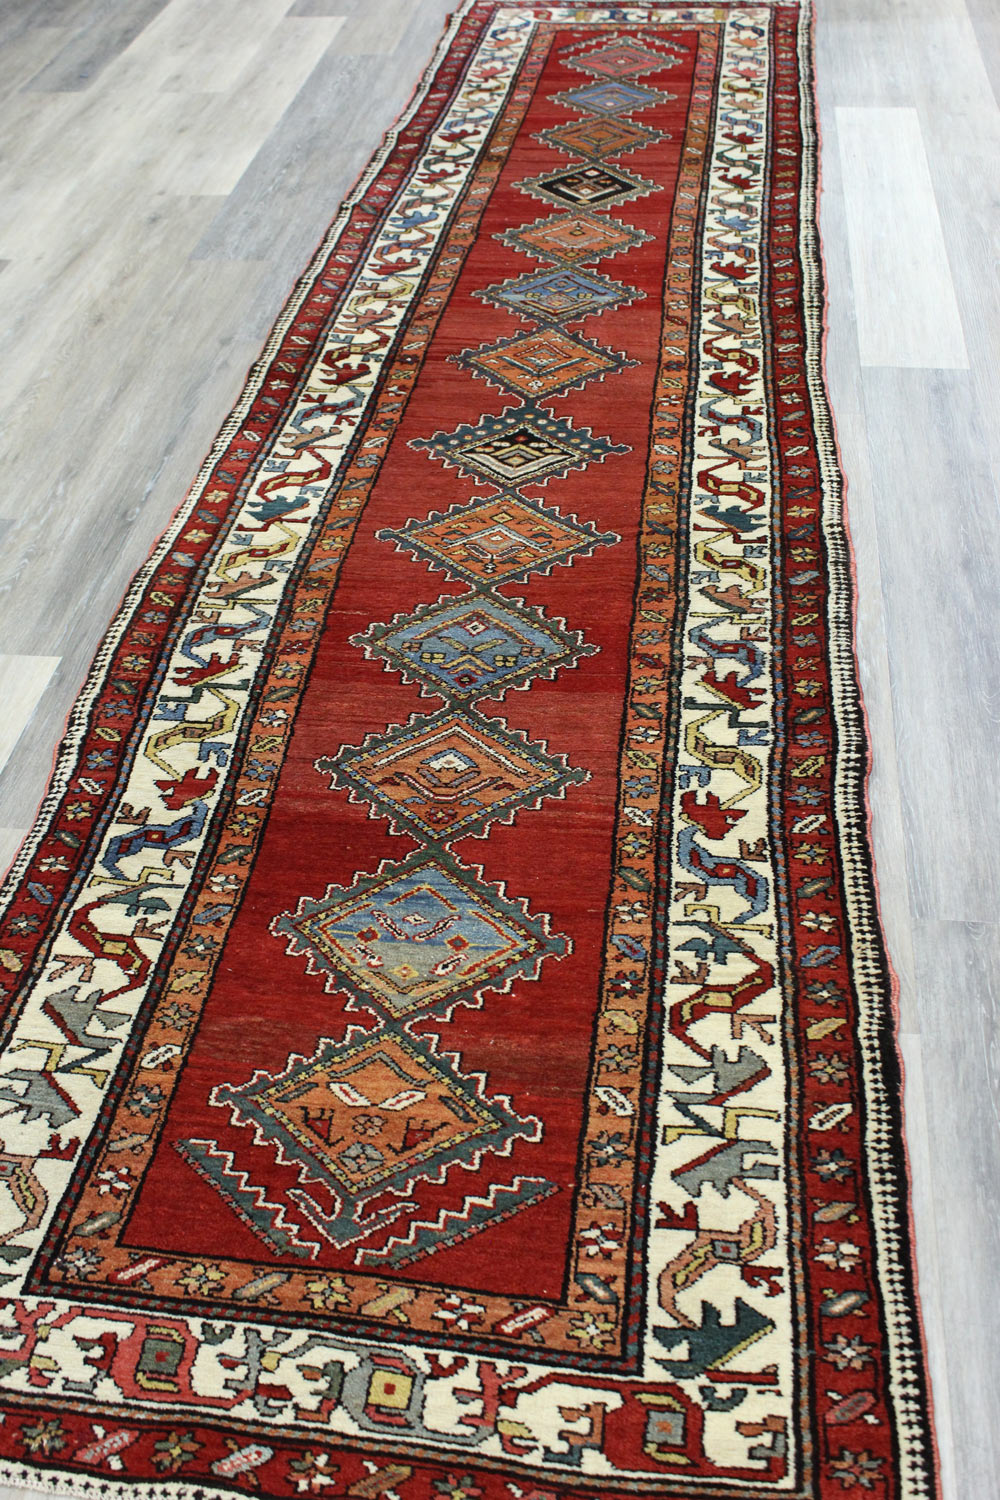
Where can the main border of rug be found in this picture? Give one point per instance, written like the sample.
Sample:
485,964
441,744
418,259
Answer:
870,970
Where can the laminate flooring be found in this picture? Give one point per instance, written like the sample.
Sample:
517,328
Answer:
166,168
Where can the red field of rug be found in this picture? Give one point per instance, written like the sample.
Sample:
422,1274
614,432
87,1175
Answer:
449,1047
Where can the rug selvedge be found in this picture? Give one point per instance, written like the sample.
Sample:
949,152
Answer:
723,1290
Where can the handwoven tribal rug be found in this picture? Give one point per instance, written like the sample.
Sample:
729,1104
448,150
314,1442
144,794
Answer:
449,1048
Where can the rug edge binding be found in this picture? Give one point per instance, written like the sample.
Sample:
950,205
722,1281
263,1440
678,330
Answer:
875,978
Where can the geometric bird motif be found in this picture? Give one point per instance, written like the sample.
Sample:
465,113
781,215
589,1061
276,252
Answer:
520,446
599,136
471,647
367,1117
449,775
542,363
421,936
560,295
574,238
498,539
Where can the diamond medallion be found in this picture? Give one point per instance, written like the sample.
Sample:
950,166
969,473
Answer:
561,296
449,775
574,238
365,1120
420,936
520,446
623,59
498,540
601,136
542,363
610,98
473,647
588,185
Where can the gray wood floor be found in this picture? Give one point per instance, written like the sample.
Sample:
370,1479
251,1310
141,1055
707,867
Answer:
166,168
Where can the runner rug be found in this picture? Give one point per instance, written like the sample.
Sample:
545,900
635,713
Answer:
449,1047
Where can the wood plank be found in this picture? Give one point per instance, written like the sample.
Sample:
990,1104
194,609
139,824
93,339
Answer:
25,51
959,980
960,122
903,293
231,129
11,840
846,395
986,22
323,7
938,526
194,48
107,31
23,680
933,1257
863,62
296,164
375,33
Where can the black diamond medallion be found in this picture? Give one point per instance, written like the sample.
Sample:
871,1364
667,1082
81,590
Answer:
521,446
588,186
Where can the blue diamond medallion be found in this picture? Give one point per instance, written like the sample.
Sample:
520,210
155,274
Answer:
477,646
